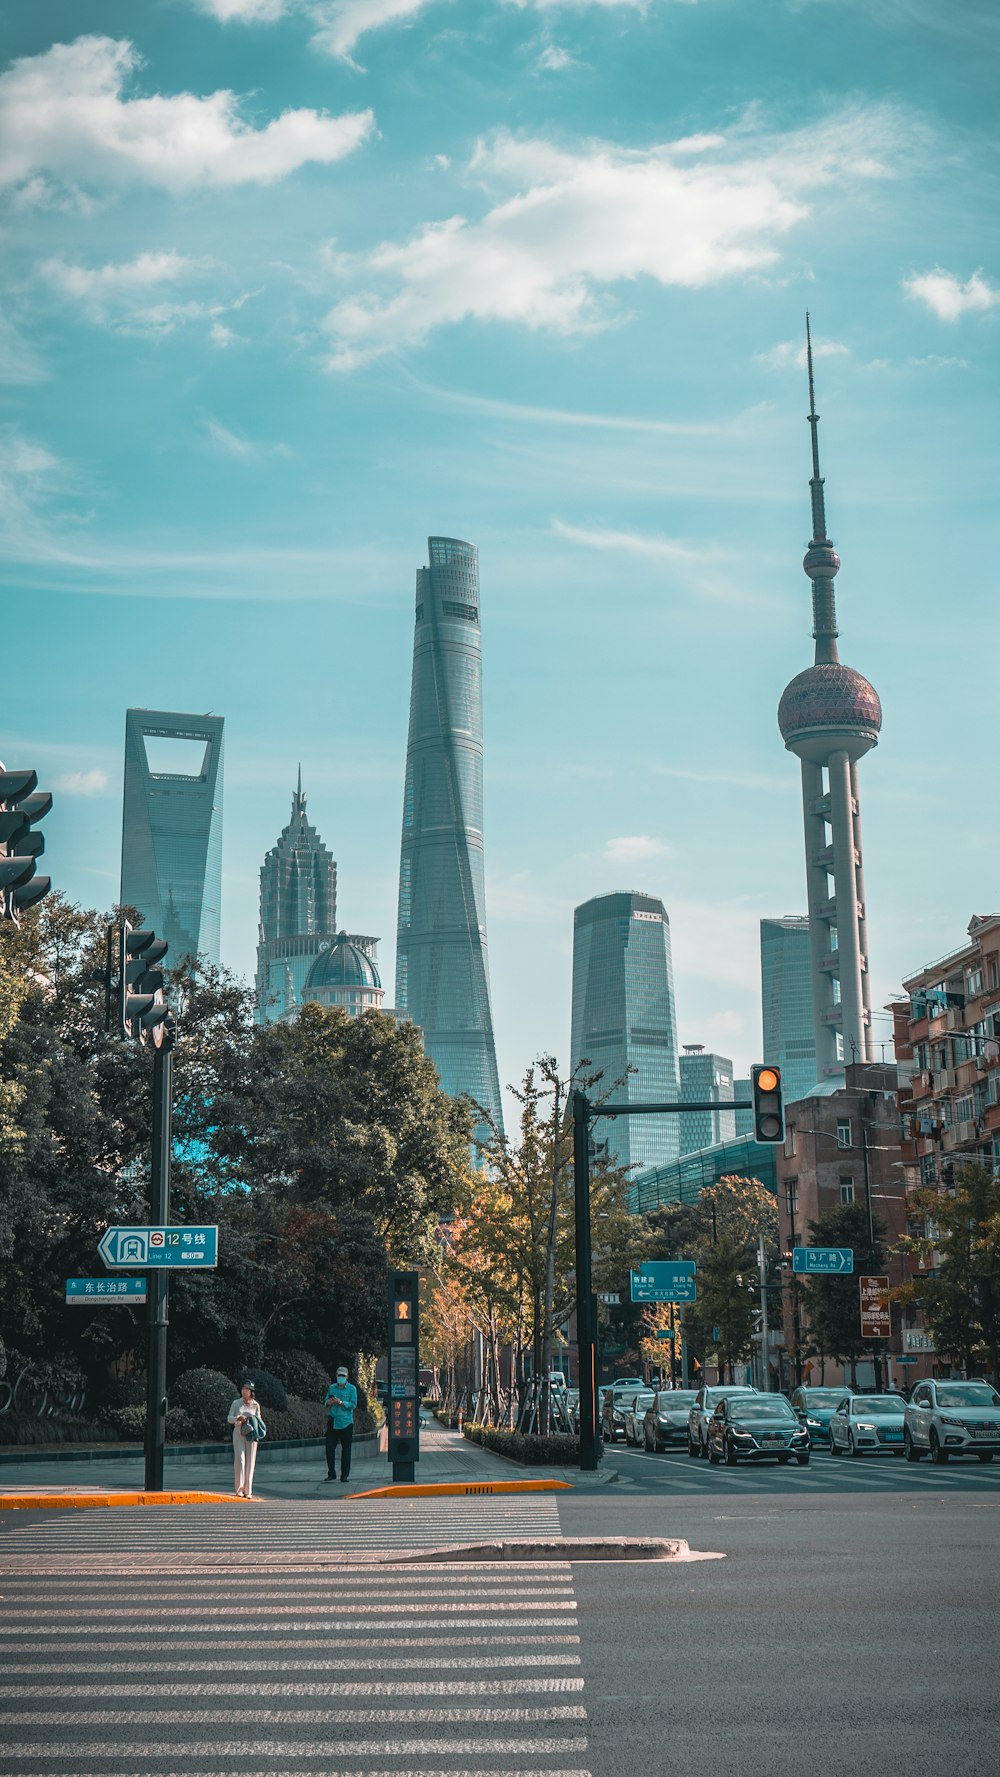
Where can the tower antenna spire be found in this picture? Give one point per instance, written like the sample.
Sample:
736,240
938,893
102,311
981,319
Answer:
816,484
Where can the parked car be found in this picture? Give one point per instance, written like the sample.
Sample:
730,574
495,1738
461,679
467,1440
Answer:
815,1406
705,1402
749,1427
952,1419
634,1411
867,1422
613,1404
665,1420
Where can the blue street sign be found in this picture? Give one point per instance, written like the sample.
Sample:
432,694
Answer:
83,1291
662,1280
161,1249
836,1261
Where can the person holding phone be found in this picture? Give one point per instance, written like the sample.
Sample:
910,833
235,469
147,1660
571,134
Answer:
341,1401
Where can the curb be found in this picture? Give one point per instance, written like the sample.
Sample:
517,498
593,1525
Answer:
50,1502
433,1489
601,1548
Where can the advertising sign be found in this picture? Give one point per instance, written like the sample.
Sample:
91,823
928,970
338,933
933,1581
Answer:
875,1319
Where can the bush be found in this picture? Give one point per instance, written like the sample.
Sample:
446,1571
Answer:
302,1374
301,1419
206,1396
370,1415
181,1428
268,1390
126,1423
525,1447
124,1391
24,1429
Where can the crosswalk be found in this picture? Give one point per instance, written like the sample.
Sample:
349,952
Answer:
292,1526
464,1670
678,1476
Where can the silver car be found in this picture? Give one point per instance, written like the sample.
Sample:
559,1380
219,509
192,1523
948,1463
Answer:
666,1420
952,1419
635,1408
705,1403
867,1424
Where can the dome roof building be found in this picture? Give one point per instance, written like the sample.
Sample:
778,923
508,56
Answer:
344,974
830,716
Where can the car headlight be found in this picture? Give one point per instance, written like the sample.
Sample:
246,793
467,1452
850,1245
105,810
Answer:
946,1419
738,1432
817,1424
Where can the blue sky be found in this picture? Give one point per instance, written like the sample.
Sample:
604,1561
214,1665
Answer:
289,284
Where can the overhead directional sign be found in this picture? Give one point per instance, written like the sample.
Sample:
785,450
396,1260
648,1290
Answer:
82,1292
662,1280
161,1249
832,1261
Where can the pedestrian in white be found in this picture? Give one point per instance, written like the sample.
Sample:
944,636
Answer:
244,1449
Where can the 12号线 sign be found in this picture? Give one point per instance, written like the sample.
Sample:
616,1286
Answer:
161,1249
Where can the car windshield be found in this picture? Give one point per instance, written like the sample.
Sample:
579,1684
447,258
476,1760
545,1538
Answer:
761,1408
822,1397
673,1399
967,1394
642,1401
714,1395
875,1405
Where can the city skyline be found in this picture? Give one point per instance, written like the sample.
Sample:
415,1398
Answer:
609,400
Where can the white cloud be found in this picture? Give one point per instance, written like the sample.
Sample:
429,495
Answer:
65,109
639,848
580,223
230,443
19,362
948,298
704,569
340,24
553,59
247,12
82,783
791,353
118,295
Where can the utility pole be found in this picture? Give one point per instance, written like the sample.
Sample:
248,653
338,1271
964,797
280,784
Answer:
876,1343
585,1317
765,1337
157,1316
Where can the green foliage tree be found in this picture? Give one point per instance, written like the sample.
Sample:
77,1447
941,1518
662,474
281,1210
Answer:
962,1301
832,1304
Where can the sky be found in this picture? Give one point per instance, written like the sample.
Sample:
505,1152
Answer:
289,285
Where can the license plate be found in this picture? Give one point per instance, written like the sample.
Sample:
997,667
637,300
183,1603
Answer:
892,1437
772,1440
991,1435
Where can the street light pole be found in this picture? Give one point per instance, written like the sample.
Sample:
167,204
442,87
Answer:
585,1331
876,1343
156,1383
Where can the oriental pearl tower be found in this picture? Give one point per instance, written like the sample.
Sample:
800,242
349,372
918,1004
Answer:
830,717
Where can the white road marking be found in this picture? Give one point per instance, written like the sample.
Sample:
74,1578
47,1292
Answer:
454,1662
316,1751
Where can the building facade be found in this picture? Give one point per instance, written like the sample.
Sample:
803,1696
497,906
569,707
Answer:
172,828
682,1181
624,1022
947,1041
706,1079
744,1119
841,1148
830,716
442,970
298,912
786,978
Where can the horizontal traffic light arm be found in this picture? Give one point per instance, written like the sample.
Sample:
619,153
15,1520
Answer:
650,1110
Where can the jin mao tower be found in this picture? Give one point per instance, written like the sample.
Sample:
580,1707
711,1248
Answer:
830,716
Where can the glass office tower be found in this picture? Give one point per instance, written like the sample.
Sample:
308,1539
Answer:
706,1079
172,828
442,972
623,1018
787,1002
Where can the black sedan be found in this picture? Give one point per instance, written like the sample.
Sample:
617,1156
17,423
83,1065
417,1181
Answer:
746,1428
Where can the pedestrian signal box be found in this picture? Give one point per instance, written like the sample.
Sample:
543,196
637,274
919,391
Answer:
403,1398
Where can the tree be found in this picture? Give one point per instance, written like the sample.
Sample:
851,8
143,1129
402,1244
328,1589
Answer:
962,1301
832,1303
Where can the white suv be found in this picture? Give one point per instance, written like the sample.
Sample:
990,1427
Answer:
952,1419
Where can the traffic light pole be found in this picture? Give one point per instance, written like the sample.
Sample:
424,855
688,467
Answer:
156,1368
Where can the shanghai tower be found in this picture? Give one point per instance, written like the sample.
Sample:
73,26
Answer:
442,974
830,717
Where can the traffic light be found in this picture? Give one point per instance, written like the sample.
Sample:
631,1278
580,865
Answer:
768,1110
142,1006
22,805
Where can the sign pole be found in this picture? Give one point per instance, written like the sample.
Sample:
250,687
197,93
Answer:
585,1317
157,1319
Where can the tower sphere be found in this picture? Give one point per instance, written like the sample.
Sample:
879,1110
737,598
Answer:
829,708
821,561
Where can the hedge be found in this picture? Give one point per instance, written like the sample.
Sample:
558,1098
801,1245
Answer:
524,1447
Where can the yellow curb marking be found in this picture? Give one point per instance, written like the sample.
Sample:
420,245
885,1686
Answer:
432,1489
20,1502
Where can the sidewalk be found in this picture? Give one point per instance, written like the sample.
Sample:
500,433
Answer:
446,1458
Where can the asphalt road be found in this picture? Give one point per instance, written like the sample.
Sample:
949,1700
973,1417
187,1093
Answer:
851,1626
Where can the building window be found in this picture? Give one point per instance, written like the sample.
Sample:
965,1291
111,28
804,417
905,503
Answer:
452,609
843,1132
790,1141
847,1190
974,983
993,970
792,1195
